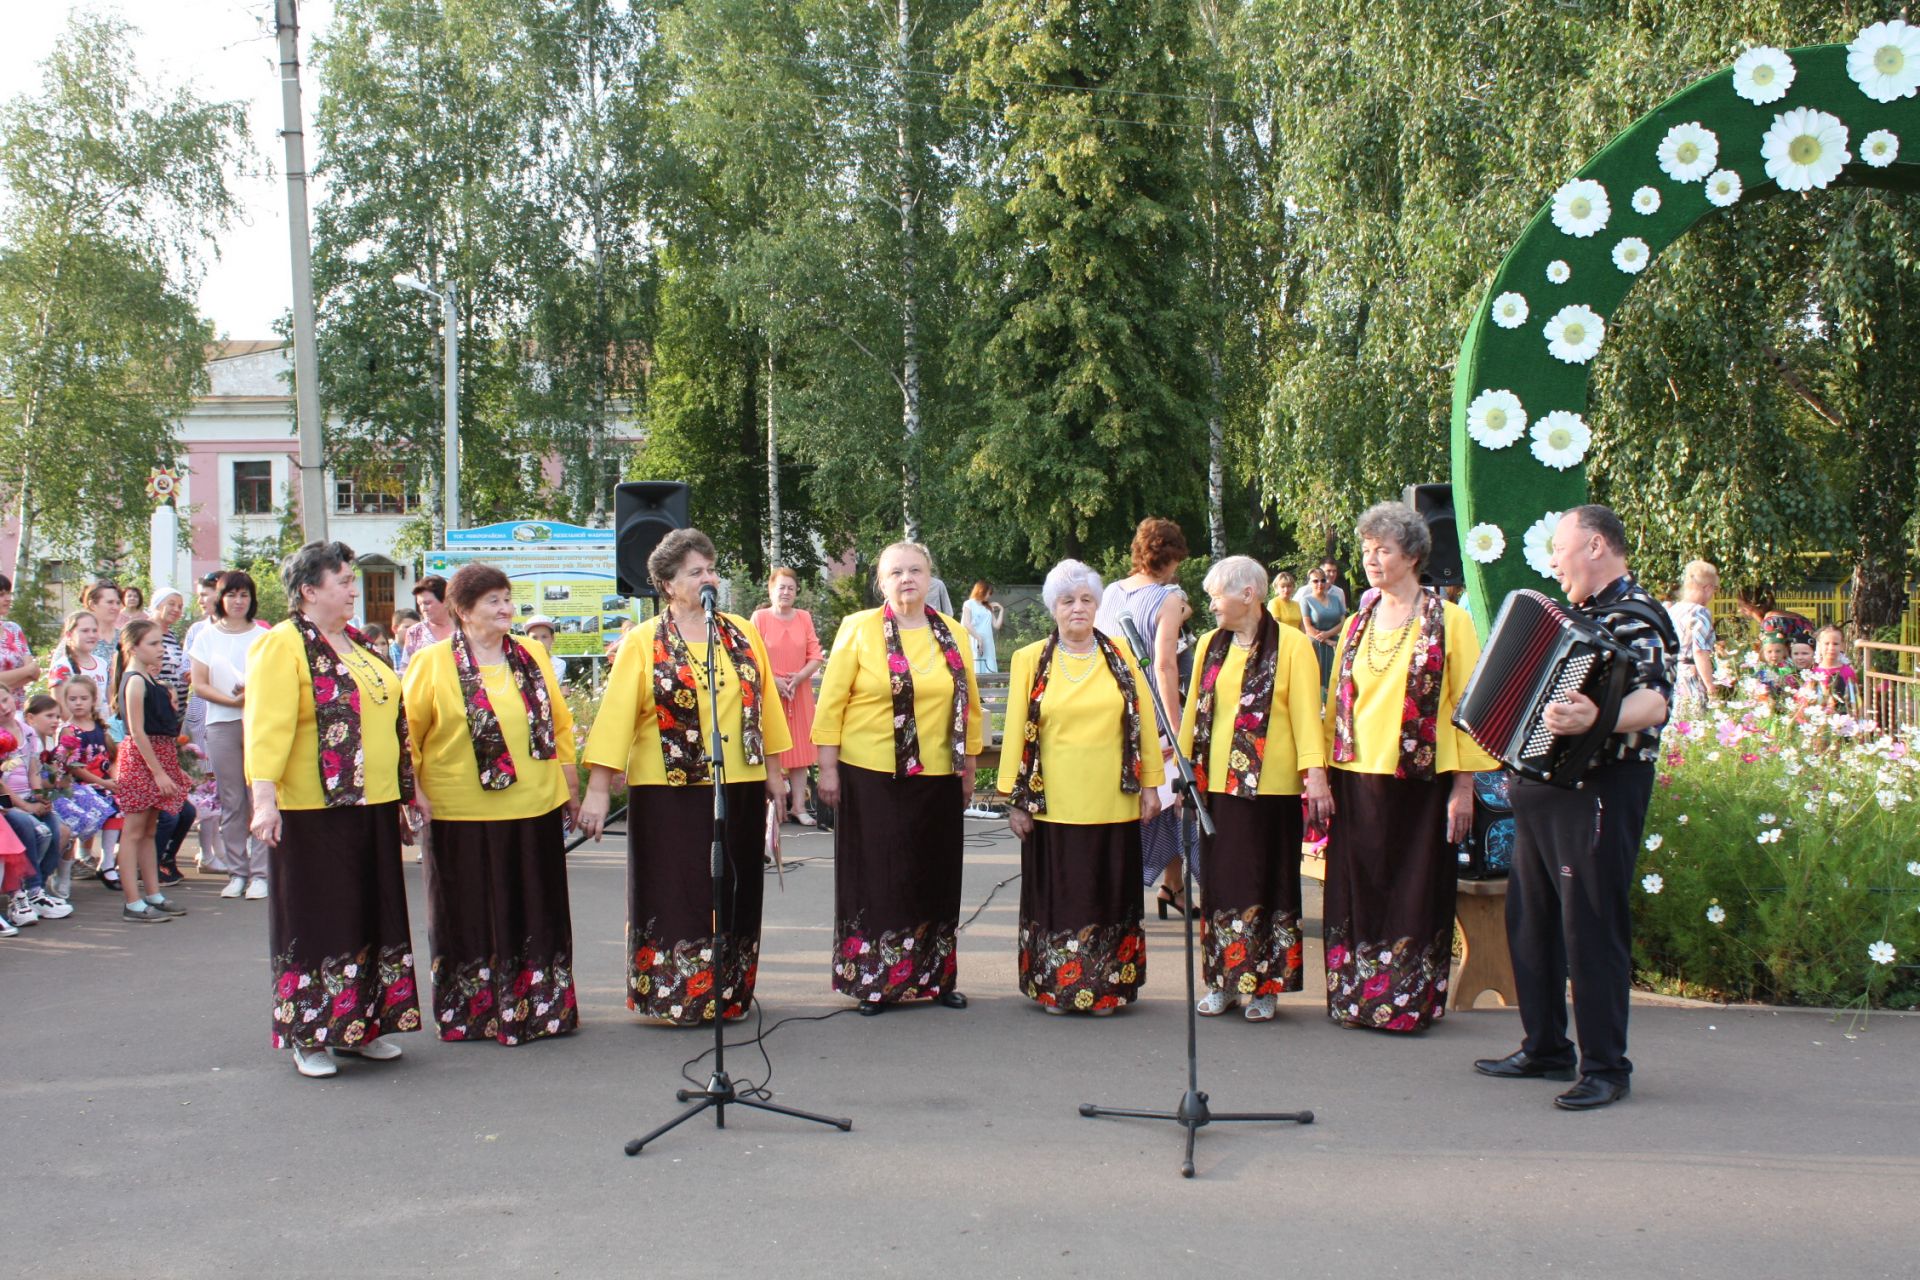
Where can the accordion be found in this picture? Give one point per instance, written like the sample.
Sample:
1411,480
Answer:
1537,654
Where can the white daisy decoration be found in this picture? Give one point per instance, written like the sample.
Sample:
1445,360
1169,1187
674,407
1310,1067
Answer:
1575,333
1723,188
1716,914
1689,152
1558,272
1880,148
1762,75
1537,546
1631,255
1646,200
1884,60
1496,419
1881,952
1653,882
1581,208
1805,149
1485,543
1560,439
1509,311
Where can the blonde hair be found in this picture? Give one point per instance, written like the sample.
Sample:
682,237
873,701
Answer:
917,548
1699,575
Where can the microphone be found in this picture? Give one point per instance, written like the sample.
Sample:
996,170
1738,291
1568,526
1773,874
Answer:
1138,642
709,598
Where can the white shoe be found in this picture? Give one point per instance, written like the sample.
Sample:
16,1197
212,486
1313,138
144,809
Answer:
7,928
315,1065
20,911
377,1049
236,885
256,889
1214,1003
1262,1008
50,907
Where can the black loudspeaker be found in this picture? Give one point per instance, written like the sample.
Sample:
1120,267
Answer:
644,511
1487,852
1434,502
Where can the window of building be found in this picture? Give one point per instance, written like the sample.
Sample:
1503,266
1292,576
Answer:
252,488
368,492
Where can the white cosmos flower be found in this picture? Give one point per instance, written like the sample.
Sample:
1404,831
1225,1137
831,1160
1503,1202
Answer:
1560,439
1581,208
1805,149
1654,842
1716,914
1689,152
1631,255
1496,419
1575,333
1762,75
1682,819
1880,148
1723,188
1913,868
1646,200
1509,311
1766,819
1881,952
1884,60
1558,272
1485,544
1537,544
1652,882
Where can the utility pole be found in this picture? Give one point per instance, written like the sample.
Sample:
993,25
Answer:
450,321
306,360
773,471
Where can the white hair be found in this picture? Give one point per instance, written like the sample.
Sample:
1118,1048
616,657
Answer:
1236,574
1068,575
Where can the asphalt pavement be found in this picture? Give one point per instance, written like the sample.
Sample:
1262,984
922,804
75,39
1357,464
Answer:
150,1131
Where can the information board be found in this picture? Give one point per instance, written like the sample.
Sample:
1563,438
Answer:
574,588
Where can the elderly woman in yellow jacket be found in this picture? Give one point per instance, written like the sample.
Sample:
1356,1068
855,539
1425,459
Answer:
326,755
656,726
492,741
1252,727
1083,763
898,727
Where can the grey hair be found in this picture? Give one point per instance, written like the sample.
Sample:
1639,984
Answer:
1399,523
1068,575
918,548
1234,574
307,566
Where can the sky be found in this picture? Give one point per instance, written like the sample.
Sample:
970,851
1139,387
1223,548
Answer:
227,51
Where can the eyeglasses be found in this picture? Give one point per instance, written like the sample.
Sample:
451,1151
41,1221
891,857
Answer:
1312,581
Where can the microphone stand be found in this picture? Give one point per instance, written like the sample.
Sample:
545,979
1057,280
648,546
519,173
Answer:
721,1092
1193,1112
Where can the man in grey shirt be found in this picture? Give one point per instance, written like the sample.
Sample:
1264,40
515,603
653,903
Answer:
1332,572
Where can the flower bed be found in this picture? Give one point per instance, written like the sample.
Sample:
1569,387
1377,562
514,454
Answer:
1782,858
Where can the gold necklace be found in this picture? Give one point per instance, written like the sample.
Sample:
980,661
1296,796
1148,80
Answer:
1380,663
933,647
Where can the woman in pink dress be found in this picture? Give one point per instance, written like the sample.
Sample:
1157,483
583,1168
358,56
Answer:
794,647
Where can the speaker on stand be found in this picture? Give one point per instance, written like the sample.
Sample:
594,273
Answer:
1434,502
644,512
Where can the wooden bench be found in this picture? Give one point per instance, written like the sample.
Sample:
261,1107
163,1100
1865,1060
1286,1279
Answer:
1485,962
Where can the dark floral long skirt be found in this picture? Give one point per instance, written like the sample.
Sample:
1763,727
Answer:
337,929
678,968
500,930
1250,926
1391,880
896,886
1081,946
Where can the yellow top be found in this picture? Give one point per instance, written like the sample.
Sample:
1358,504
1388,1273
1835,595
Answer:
1287,614
283,738
1379,702
443,758
855,712
626,735
1079,736
1293,717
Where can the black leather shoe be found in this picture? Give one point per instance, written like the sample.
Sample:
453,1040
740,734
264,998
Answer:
869,1008
1521,1066
1590,1094
952,999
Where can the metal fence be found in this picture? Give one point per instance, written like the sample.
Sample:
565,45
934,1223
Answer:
1890,696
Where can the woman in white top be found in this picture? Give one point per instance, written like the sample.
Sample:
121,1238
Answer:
982,617
219,657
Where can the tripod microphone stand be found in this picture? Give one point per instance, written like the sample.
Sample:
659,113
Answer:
721,1091
1193,1112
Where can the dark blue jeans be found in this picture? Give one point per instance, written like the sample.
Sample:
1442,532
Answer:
170,832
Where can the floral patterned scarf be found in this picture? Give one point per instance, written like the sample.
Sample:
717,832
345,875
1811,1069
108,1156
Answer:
1249,745
676,699
906,731
1420,721
336,712
1029,784
497,772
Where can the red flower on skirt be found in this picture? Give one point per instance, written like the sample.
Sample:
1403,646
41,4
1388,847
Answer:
1069,973
343,1004
700,983
1376,986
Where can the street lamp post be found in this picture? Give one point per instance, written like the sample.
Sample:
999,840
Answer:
450,321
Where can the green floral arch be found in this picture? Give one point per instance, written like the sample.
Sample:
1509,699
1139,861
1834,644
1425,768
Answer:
1507,483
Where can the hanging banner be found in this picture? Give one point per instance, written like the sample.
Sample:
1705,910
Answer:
513,534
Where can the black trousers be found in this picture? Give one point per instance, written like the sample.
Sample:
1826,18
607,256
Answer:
1569,913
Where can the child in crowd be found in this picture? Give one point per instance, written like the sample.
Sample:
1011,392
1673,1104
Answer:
23,778
86,750
402,620
74,655
149,768
1776,673
1831,669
